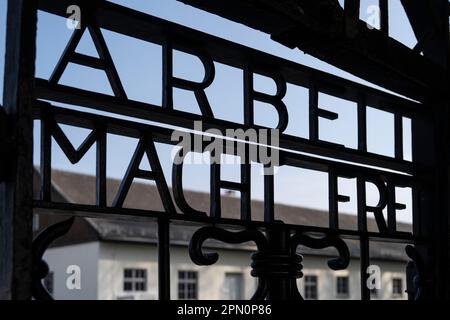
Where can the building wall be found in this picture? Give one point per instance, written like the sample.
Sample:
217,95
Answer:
83,255
115,257
211,278
112,258
313,265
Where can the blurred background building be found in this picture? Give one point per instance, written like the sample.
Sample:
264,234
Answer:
118,258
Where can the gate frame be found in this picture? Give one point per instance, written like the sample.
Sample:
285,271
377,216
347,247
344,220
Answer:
16,192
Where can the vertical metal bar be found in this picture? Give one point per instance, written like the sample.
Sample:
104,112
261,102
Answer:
362,124
333,199
16,193
167,75
313,112
46,157
437,220
430,150
351,8
3,143
246,190
215,206
416,214
279,288
391,208
364,241
269,198
248,96
445,14
164,259
424,153
384,17
101,165
361,196
365,261
245,169
398,134
441,239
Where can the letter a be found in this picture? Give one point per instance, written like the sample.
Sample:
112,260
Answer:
73,281
145,147
104,63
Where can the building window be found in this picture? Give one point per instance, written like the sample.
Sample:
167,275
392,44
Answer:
134,280
48,282
187,285
232,287
342,287
311,288
397,287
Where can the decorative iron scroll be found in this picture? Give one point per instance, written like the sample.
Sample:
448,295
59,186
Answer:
270,261
322,243
415,274
40,245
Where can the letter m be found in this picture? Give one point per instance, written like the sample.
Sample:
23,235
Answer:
50,128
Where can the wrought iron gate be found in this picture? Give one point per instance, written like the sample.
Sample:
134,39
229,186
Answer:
276,264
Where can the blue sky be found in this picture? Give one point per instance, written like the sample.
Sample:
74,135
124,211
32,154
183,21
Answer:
139,67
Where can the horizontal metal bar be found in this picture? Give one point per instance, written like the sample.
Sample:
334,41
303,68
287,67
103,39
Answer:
327,114
342,198
231,185
144,174
163,135
83,210
64,94
87,61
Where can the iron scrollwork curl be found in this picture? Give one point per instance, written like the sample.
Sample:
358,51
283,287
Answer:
415,274
339,263
200,236
205,259
40,245
327,241
271,263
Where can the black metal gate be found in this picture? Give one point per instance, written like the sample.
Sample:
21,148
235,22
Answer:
277,264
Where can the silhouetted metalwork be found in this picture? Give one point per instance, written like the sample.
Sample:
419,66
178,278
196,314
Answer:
415,275
339,36
342,40
270,264
40,244
4,144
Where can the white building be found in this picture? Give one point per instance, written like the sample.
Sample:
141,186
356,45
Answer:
117,259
